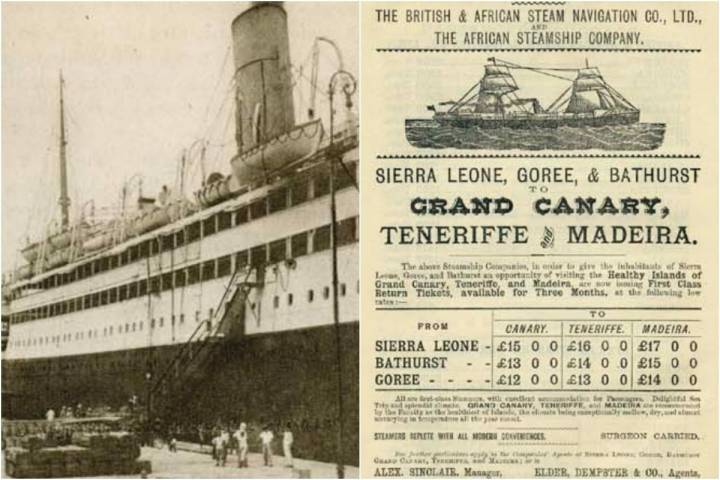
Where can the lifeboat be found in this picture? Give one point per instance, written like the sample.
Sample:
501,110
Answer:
31,252
98,241
278,152
157,218
22,273
58,258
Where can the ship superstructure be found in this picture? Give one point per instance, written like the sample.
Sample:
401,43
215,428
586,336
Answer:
240,273
493,102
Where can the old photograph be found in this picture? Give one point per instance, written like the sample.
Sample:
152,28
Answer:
180,240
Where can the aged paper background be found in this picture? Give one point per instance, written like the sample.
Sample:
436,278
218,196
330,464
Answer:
570,362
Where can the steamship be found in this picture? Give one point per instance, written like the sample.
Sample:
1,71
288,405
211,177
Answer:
493,101
216,306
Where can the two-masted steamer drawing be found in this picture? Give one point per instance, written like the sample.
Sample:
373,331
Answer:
493,102
589,113
220,307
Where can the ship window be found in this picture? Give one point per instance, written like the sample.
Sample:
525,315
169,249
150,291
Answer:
277,251
142,287
346,231
276,301
326,292
193,232
258,255
61,281
182,318
321,239
278,200
299,245
172,320
161,322
343,289
122,293
346,177
127,327
112,295
112,261
299,192
70,307
193,274
224,220
155,284
209,226
197,316
87,269
103,264
105,332
78,303
311,296
104,297
154,246
167,242
322,184
241,215
133,253
95,300
290,298
144,249
180,278
241,259
134,326
152,323
167,279
208,270
224,265
180,238
258,208
110,330
132,290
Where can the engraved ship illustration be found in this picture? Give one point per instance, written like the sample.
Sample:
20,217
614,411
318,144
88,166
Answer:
493,102
216,305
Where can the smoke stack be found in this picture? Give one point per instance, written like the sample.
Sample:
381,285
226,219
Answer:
264,97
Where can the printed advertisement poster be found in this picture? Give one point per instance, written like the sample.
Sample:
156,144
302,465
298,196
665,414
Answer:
539,240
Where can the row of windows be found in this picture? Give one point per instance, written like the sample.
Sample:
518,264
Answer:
295,246
155,323
313,184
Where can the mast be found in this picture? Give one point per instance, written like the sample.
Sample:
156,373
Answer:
64,199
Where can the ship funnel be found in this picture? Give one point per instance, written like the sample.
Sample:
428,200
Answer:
264,97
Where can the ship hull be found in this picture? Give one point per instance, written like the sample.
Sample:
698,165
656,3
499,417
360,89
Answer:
272,378
536,121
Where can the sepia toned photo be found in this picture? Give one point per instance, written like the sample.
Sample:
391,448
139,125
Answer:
180,240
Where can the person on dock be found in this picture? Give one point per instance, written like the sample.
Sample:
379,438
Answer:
50,415
242,445
287,446
266,437
220,449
